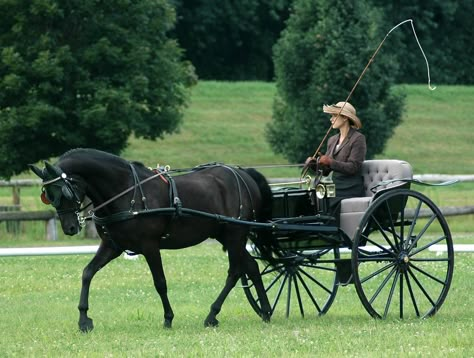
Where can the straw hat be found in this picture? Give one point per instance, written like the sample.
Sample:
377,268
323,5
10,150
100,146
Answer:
348,111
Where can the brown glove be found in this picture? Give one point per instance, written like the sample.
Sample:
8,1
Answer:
325,160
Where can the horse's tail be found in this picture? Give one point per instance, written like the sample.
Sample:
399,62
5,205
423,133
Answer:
265,212
263,239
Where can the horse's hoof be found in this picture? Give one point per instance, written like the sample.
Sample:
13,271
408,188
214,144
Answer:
266,318
86,325
167,324
211,322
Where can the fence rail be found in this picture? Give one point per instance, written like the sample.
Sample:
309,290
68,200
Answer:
12,214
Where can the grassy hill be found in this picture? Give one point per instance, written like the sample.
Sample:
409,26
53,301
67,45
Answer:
226,120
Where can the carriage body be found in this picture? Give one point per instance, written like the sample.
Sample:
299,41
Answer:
385,246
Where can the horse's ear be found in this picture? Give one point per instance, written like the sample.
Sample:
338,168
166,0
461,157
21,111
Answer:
53,170
36,170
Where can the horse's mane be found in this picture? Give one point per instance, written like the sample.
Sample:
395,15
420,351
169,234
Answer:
98,155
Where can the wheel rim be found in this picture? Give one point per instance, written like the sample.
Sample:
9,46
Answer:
402,259
304,282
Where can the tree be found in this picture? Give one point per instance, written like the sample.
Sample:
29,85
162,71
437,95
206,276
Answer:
318,59
228,39
86,73
444,29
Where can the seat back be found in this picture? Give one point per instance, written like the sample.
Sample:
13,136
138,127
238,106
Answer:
376,171
373,172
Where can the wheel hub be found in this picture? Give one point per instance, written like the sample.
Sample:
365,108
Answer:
403,261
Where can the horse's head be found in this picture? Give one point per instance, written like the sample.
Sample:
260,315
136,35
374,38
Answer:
64,193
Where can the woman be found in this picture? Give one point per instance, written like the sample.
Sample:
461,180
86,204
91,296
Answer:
345,154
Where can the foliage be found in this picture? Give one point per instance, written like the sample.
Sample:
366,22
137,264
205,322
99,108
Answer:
86,73
318,60
444,30
233,40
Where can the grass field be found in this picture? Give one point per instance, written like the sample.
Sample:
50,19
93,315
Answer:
39,296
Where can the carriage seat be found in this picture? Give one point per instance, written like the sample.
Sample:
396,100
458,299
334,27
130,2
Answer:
373,172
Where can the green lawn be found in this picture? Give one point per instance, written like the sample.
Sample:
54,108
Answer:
39,296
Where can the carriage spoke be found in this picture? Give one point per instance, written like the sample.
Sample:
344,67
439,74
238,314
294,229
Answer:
308,291
280,290
403,200
315,281
415,216
428,274
376,273
390,295
272,269
275,280
401,296
434,242
392,226
382,231
319,267
412,295
382,285
421,287
392,253
418,237
298,295
288,298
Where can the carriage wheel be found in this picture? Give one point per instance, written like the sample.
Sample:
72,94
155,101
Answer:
402,258
309,277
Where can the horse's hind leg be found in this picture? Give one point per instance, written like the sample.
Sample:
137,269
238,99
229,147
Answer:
103,256
235,253
252,270
153,258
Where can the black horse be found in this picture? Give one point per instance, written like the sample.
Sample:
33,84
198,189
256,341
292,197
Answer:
127,198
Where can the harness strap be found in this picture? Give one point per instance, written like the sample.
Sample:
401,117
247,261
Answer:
105,203
175,201
138,184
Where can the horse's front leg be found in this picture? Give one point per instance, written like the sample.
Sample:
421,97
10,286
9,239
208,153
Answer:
153,258
103,256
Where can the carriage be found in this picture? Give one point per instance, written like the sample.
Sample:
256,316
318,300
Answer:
393,244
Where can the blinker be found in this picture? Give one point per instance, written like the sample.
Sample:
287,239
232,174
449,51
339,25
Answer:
44,199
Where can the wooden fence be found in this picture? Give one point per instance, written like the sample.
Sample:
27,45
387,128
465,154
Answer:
13,215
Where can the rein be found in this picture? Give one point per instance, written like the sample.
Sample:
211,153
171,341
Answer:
134,187
175,208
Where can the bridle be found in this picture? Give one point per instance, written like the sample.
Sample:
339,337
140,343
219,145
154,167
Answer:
69,191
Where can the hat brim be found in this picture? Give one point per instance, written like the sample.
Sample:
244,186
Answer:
336,110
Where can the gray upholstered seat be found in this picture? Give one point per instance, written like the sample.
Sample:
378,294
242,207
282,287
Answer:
373,171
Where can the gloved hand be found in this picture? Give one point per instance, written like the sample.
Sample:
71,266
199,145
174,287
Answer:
310,163
325,160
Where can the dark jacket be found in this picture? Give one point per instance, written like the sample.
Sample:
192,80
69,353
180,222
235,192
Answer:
347,163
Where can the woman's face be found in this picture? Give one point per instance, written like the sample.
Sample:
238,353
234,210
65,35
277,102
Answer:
340,122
